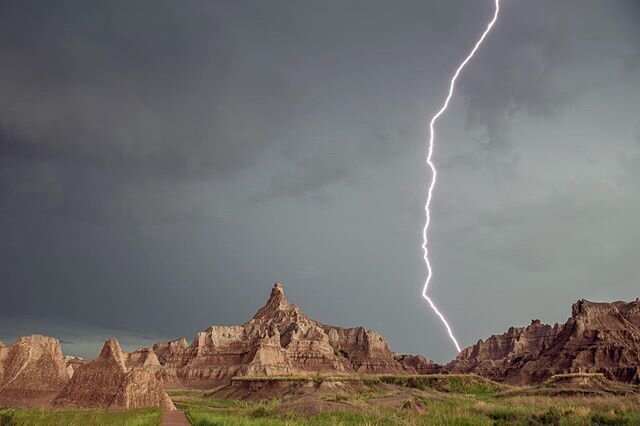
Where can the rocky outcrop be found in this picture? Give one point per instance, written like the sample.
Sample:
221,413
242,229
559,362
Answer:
419,363
143,357
279,340
597,338
115,380
32,371
72,363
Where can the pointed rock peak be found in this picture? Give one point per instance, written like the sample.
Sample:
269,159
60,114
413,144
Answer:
112,351
277,303
111,347
277,295
277,299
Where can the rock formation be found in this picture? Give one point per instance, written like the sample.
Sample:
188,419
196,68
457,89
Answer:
32,371
72,363
143,357
597,338
419,363
115,380
279,340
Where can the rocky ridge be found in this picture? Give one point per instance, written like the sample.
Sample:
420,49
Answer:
116,380
279,340
32,369
597,338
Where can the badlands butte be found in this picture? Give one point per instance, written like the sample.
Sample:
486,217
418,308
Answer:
281,341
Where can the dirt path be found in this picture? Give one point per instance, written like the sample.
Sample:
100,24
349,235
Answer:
174,418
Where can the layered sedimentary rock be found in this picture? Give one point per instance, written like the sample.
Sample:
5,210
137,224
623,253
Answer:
279,339
143,357
115,380
419,363
597,338
72,363
32,370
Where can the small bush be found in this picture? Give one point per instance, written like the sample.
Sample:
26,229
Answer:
260,412
503,416
550,417
608,420
7,418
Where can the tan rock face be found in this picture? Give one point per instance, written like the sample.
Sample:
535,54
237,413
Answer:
115,380
597,338
279,339
31,369
141,358
72,363
419,363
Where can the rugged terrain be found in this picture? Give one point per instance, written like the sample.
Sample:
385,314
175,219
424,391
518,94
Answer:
279,340
446,399
116,380
281,353
597,338
32,371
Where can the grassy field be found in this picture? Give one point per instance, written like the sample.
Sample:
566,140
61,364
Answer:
19,417
381,400
424,400
445,411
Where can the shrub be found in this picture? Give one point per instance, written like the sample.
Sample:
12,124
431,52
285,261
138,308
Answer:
7,418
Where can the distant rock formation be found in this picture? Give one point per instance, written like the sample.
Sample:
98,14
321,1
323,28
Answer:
143,357
419,363
115,380
597,338
72,363
32,371
279,340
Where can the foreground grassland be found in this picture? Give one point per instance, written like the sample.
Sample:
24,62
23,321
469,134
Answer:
447,411
439,411
427,401
19,417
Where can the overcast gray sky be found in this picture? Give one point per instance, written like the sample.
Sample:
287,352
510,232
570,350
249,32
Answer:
163,163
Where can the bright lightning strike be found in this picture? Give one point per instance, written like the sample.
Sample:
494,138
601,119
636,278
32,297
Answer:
434,174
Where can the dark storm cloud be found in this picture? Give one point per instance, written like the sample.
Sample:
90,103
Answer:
329,162
541,57
144,87
76,338
162,163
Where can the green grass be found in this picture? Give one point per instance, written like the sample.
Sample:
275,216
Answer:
451,383
439,408
20,417
439,417
439,400
456,383
182,392
356,396
209,403
335,418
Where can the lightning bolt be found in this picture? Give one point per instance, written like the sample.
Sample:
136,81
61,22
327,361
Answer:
434,173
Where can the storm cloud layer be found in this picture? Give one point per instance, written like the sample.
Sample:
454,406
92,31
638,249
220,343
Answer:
163,163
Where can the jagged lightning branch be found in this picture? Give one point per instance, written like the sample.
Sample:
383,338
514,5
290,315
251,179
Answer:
434,174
